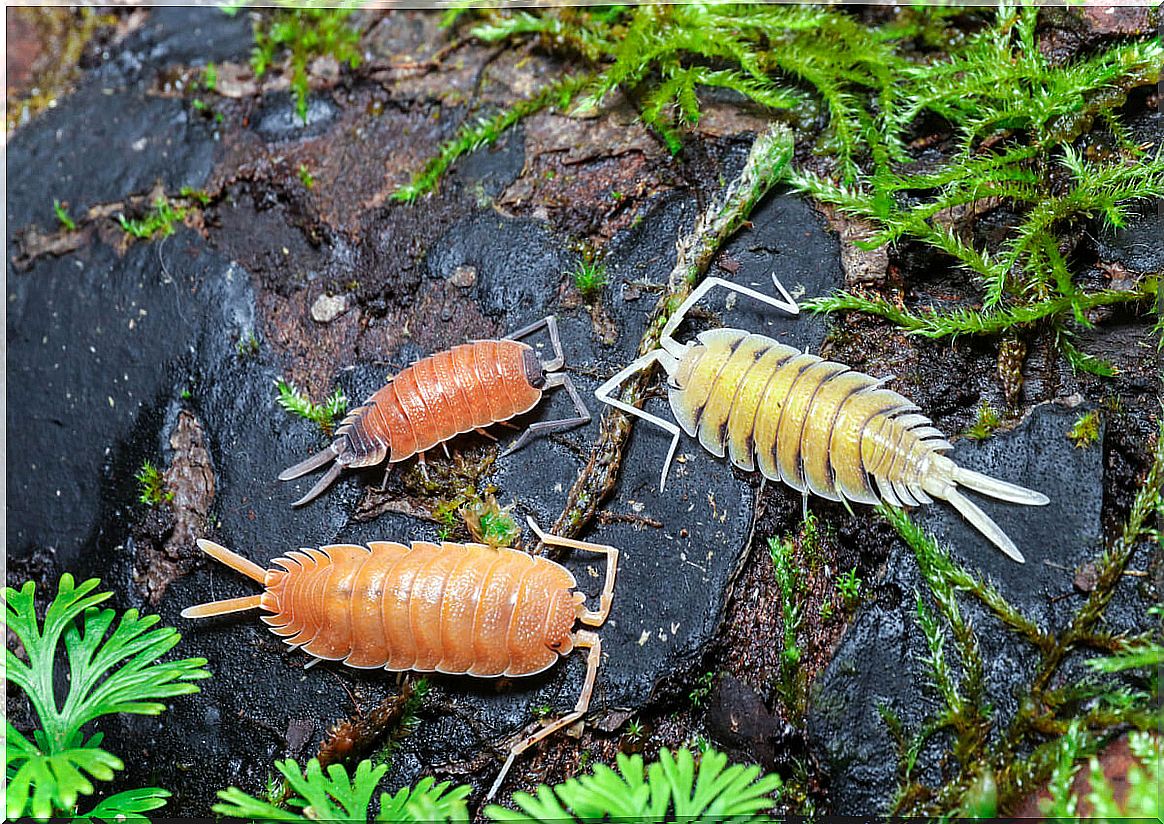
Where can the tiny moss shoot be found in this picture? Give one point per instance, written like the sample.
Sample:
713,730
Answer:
792,612
304,34
152,486
210,77
590,279
1085,431
198,196
323,414
63,218
702,689
986,422
849,585
159,220
305,177
247,346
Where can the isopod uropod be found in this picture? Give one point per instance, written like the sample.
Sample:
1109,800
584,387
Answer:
447,394
453,608
814,424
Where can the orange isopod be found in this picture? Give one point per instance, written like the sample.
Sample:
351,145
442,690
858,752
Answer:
464,609
444,395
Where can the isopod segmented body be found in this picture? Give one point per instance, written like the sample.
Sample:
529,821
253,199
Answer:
451,608
444,395
816,425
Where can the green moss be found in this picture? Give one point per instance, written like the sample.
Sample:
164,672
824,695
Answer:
304,34
704,684
1055,725
484,132
305,177
984,424
488,522
849,586
323,414
159,220
152,486
1085,431
1013,113
590,279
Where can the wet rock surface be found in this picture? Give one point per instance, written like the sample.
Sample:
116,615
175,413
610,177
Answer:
167,350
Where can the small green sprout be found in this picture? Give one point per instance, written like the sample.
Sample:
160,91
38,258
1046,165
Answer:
1085,431
826,611
210,77
160,220
703,687
305,177
987,421
541,711
849,585
785,568
199,195
297,403
589,279
151,486
247,346
634,730
62,214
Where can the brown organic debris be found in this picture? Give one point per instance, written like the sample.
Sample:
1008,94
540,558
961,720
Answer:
167,553
349,741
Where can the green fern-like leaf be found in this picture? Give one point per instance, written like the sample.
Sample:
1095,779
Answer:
676,787
113,668
334,796
127,806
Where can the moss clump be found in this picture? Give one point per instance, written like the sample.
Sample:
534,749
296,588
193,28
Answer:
304,34
159,220
152,486
1085,431
590,279
1010,113
984,424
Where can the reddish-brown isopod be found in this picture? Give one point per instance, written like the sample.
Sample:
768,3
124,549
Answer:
454,608
444,395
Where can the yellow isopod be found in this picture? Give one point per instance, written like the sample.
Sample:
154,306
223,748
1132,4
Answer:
814,424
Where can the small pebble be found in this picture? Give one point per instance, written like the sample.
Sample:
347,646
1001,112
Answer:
464,276
327,308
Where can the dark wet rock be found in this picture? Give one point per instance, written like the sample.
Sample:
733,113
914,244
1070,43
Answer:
100,148
738,719
880,661
278,118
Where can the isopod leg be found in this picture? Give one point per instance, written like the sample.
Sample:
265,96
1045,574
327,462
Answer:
551,326
384,483
545,427
788,304
423,466
582,638
589,617
603,394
